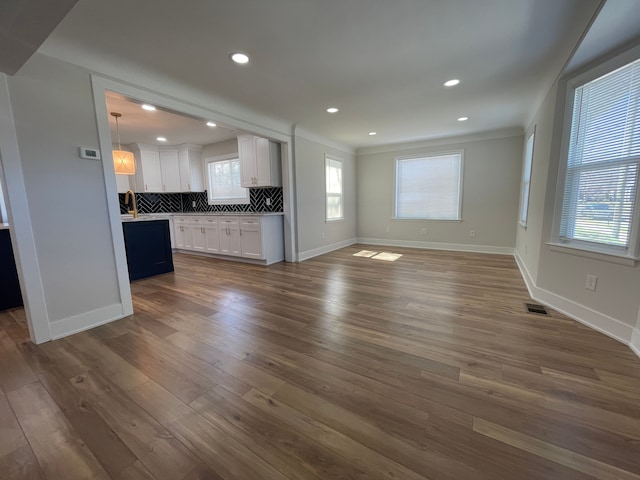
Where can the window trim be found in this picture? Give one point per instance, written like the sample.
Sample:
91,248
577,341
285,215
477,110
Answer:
327,159
528,162
611,253
230,201
427,155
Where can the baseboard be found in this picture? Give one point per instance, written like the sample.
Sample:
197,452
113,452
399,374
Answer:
85,321
306,255
456,247
605,324
635,341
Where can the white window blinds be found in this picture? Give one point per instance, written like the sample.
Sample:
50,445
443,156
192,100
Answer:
526,181
333,187
429,187
601,184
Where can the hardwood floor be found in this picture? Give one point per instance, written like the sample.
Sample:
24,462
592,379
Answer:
340,367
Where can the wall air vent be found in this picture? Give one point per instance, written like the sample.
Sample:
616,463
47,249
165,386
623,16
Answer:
535,309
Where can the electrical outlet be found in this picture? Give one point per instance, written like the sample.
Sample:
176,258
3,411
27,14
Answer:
525,249
322,236
268,202
193,204
388,229
472,233
423,231
592,282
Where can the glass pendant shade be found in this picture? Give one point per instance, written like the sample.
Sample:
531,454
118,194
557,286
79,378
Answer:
124,162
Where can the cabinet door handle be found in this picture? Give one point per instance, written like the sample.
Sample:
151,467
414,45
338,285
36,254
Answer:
188,186
163,188
146,189
240,232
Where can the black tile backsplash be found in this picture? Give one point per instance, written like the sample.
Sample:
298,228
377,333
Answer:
183,202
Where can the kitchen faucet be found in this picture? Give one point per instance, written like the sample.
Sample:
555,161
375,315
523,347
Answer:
133,202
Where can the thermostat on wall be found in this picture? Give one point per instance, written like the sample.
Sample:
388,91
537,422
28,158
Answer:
89,153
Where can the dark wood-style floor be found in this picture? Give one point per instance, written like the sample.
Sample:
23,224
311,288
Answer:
341,367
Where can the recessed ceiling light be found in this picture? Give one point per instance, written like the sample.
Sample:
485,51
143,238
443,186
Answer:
161,139
239,58
332,110
148,107
451,83
211,124
463,119
373,133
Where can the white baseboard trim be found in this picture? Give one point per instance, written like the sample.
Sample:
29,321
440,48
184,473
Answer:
605,324
635,341
306,255
85,321
456,247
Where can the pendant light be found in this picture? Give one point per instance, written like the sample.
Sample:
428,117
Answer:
124,162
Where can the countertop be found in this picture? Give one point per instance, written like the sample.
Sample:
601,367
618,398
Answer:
4,226
165,216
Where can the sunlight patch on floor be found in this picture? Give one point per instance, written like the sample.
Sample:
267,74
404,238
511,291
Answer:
388,257
365,253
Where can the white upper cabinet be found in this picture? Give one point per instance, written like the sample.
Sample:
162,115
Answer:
167,169
190,161
148,176
259,162
170,171
122,181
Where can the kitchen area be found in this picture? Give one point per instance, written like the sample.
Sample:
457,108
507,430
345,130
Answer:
193,186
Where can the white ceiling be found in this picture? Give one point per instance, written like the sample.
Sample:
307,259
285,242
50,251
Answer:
381,62
142,126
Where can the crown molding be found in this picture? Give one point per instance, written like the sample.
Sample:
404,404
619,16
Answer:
313,137
435,142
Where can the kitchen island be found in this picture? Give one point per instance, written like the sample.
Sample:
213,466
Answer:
10,295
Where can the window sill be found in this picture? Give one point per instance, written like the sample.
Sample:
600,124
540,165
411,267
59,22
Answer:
332,220
603,257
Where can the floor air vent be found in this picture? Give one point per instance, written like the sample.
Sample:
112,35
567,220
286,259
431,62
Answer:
535,309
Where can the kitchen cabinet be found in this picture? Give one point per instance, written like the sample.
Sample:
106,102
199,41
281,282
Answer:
260,164
190,164
167,169
229,231
148,177
148,247
170,171
250,238
123,183
258,238
212,235
182,232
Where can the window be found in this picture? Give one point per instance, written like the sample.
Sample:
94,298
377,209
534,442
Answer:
526,180
429,187
333,188
223,180
599,199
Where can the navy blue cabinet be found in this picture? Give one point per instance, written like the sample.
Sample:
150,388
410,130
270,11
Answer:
10,295
148,245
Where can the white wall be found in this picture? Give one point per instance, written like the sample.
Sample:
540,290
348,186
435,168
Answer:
555,277
53,114
491,180
220,148
310,195
529,240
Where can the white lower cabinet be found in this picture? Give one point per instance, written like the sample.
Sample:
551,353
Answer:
182,231
252,237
